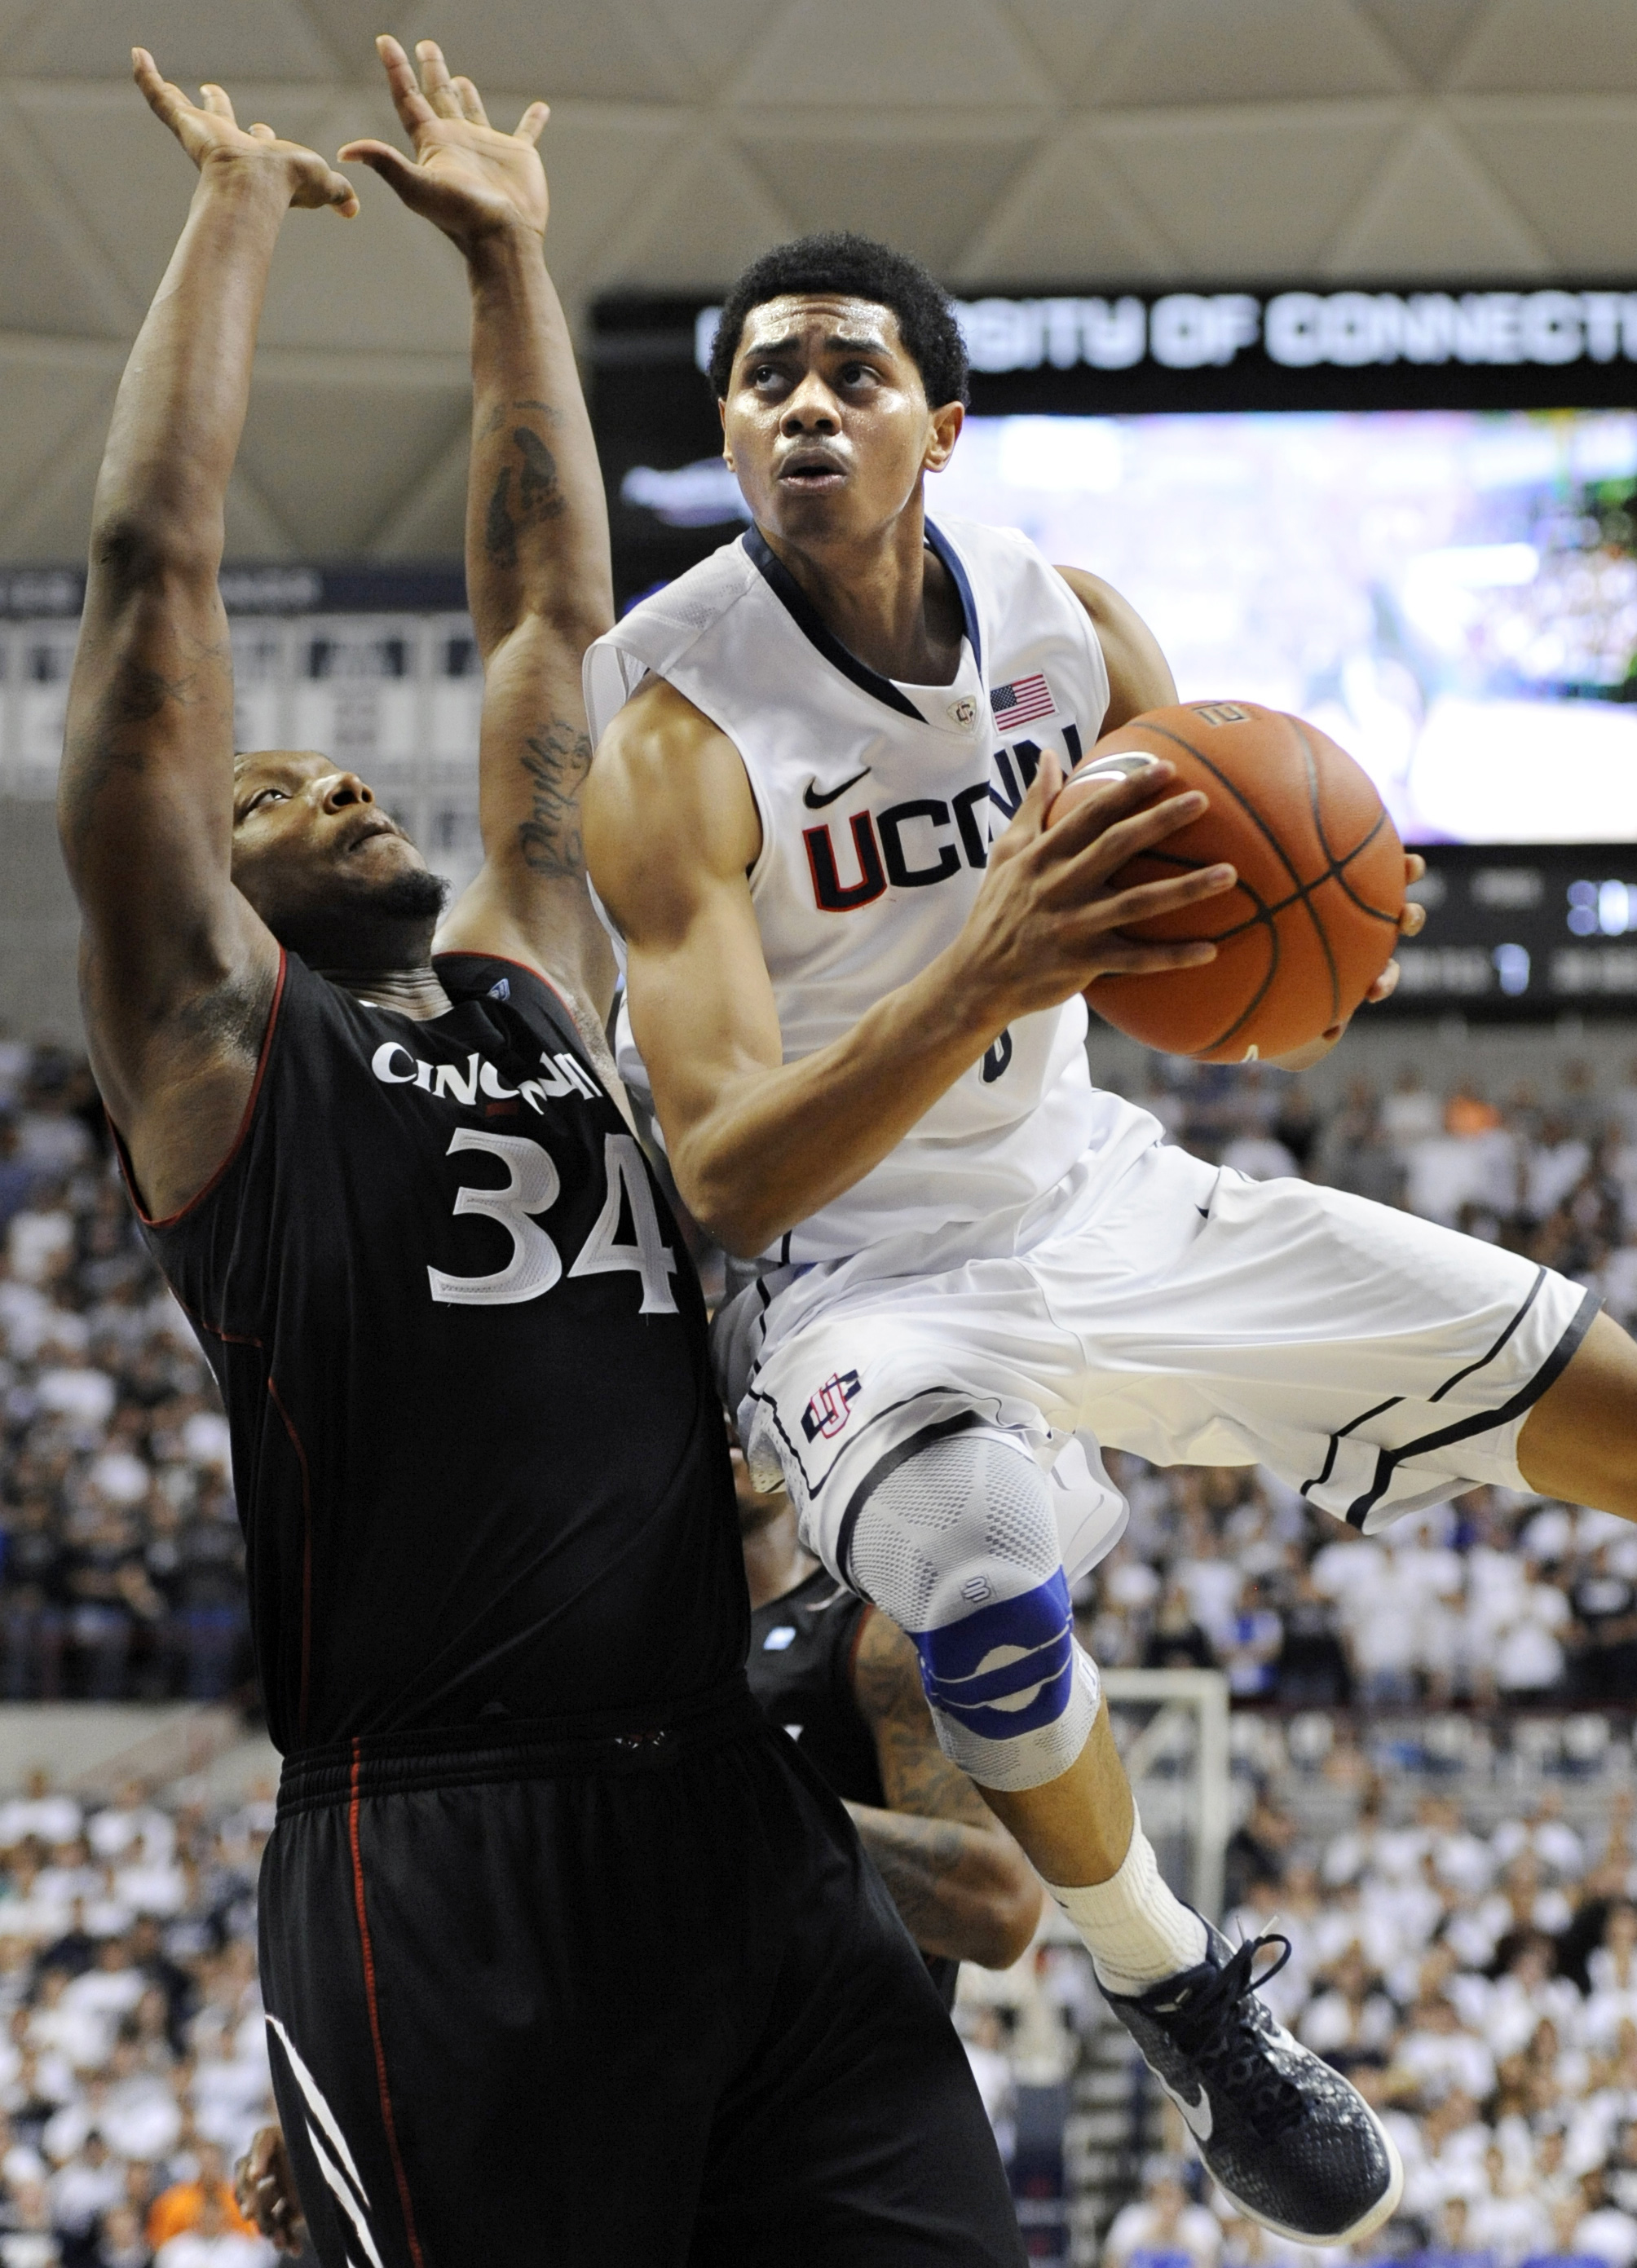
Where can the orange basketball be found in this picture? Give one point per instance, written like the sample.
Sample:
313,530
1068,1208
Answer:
1314,917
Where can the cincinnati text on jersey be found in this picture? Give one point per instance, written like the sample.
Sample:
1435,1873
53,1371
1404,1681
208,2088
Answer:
464,1083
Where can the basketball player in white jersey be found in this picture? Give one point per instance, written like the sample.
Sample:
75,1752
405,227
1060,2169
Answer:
855,1002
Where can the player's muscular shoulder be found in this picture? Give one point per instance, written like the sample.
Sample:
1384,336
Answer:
667,808
1139,676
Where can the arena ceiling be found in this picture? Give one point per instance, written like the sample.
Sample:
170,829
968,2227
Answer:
1007,141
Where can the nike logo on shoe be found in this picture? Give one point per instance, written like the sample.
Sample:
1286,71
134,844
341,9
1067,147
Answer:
817,802
1196,2116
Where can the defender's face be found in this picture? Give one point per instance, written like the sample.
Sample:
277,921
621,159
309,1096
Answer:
826,421
309,838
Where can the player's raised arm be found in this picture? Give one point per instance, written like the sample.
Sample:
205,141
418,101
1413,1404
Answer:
756,1143
176,970
538,577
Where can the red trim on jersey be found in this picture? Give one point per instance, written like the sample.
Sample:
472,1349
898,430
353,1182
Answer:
368,1951
299,1447
182,1211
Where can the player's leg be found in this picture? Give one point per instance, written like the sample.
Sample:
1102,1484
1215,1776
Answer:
501,2013
1580,1441
853,2130
936,1510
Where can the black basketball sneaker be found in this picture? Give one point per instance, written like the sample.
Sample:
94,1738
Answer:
1282,2134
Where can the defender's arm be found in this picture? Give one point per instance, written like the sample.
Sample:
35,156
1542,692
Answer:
538,577
961,1884
756,1143
176,971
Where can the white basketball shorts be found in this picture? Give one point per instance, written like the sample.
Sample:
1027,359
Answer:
1375,1361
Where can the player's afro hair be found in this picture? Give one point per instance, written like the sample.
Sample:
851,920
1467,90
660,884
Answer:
837,261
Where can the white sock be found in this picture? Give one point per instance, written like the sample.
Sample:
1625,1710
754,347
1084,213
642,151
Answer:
1136,1931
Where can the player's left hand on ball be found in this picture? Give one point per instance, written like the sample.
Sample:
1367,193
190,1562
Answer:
264,2184
467,178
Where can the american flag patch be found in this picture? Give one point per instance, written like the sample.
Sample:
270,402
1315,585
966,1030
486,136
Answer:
1021,702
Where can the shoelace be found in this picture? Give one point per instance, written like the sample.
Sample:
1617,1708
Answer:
1215,2029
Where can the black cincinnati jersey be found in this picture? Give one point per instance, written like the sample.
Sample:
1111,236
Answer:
478,1461
801,1671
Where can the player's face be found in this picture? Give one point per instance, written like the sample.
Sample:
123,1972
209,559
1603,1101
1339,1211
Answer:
320,860
826,421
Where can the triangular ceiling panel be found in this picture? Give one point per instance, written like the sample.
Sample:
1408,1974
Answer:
1433,211
1068,218
428,519
359,445
349,29
717,36
49,519
1253,192
1429,35
352,283
1075,39
1203,51
698,226
1572,47
49,403
600,162
941,188
887,52
554,48
1571,173
189,40
44,286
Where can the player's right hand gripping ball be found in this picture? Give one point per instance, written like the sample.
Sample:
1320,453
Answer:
1313,919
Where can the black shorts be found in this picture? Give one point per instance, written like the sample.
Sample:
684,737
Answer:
623,1992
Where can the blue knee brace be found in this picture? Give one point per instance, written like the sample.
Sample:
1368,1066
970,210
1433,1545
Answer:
959,1545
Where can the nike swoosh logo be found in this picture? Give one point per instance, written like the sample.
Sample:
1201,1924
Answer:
817,802
1196,2116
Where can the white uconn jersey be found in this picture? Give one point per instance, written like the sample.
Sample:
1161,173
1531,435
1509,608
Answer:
878,801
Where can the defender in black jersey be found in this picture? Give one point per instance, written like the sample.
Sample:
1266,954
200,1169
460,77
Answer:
843,1682
566,1956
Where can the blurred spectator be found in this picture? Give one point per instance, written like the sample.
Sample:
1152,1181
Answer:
1164,2228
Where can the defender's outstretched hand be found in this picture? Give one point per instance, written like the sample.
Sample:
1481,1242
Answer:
466,177
212,137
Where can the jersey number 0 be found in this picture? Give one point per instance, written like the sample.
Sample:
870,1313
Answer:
532,1186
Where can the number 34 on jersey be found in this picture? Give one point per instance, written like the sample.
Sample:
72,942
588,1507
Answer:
533,1186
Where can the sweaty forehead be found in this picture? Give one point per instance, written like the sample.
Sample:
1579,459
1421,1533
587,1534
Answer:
828,314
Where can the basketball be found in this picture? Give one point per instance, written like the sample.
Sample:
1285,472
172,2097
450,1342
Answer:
1314,917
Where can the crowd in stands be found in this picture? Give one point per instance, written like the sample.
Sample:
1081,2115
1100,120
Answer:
121,1561
133,2056
1480,1988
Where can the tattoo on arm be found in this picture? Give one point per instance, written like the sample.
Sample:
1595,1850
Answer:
557,761
916,1858
917,1774
539,496
136,696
